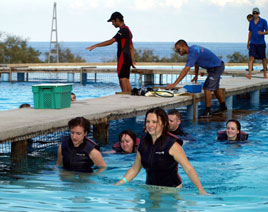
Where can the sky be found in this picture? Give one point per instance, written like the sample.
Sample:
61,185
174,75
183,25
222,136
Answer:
149,20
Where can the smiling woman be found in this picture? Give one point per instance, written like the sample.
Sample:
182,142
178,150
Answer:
159,154
233,132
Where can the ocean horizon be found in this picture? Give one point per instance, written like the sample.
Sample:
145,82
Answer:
161,49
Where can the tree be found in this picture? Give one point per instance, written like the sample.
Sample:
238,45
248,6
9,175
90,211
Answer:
237,57
66,56
147,55
15,50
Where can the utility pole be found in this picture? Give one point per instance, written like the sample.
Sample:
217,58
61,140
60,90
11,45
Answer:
54,46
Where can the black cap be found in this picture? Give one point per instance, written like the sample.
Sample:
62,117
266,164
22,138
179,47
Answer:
116,15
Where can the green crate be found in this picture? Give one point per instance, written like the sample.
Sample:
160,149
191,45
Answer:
52,96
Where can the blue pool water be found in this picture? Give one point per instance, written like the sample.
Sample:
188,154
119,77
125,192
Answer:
235,174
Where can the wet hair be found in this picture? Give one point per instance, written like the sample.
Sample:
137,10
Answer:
80,121
181,43
162,115
175,112
238,126
25,105
132,135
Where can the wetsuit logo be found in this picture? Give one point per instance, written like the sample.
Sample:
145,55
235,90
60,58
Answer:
80,154
160,153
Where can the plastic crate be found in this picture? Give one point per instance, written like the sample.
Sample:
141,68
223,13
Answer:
52,96
194,87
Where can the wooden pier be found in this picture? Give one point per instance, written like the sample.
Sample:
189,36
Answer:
21,124
23,71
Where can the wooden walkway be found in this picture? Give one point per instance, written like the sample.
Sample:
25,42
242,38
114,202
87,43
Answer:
29,121
94,70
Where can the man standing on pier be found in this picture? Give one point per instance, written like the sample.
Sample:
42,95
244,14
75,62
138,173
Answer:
201,57
256,43
125,51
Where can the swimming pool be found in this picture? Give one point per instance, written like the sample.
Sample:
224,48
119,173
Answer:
235,174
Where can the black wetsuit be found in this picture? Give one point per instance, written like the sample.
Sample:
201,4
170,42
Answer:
182,134
77,158
242,136
160,166
124,61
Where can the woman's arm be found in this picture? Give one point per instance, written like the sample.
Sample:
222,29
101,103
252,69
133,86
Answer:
178,153
59,159
133,171
97,158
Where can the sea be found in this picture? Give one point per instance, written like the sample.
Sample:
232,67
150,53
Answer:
161,49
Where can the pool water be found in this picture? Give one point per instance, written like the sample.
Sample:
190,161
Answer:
235,174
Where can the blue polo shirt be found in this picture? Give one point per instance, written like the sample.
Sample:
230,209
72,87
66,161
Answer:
256,38
202,57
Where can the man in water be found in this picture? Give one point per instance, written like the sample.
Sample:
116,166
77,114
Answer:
125,51
73,97
256,43
174,119
201,57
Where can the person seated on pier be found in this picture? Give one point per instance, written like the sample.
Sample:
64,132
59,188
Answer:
77,152
233,132
73,97
127,144
174,118
159,154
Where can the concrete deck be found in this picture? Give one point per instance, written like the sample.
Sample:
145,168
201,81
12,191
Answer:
20,122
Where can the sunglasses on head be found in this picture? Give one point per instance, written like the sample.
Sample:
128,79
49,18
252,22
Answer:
255,13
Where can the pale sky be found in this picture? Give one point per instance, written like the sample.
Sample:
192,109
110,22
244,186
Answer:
149,20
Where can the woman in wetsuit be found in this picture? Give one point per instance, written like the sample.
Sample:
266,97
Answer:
159,154
127,144
77,152
232,132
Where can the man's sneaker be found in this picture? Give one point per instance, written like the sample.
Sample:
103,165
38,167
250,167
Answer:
206,114
220,110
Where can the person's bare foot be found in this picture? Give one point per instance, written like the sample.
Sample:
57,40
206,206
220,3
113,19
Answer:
248,76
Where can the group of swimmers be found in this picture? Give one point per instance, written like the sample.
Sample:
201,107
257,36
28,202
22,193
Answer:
158,151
